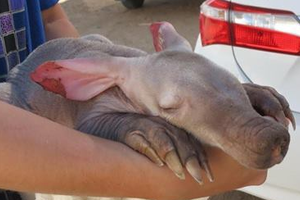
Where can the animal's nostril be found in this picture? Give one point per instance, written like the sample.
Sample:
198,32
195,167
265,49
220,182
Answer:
280,147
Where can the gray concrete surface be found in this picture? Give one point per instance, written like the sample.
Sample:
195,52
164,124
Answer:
130,27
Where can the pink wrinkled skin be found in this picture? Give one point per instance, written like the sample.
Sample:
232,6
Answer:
50,84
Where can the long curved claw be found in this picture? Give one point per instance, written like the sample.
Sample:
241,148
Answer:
285,105
193,167
155,143
184,153
208,171
291,117
173,162
202,157
191,153
136,141
164,143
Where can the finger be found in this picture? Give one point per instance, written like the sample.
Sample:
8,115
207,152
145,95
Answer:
286,107
193,167
202,157
136,141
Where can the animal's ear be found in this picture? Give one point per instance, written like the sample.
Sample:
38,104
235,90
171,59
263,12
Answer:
78,79
166,37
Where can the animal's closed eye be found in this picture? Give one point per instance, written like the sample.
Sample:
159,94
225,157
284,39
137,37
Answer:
169,110
170,102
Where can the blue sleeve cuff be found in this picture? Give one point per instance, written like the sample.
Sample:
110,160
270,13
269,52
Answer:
45,4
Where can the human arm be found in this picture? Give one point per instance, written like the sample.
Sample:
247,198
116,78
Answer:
38,155
57,24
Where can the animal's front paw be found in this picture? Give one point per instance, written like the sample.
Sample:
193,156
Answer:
166,144
268,102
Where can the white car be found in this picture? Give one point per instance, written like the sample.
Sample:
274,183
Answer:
259,41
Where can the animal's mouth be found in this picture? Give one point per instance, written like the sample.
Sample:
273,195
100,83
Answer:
265,161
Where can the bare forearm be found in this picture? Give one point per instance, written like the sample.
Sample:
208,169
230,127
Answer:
40,156
57,24
59,29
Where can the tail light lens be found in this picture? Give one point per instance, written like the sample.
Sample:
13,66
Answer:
223,22
214,23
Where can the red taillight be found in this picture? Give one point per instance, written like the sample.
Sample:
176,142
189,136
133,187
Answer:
260,38
214,31
222,22
213,21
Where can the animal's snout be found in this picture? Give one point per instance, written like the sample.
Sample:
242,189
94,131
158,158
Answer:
271,145
260,144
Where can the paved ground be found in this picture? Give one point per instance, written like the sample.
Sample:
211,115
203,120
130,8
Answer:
130,27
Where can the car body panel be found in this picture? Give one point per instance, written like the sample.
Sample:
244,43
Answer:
290,5
274,69
280,71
